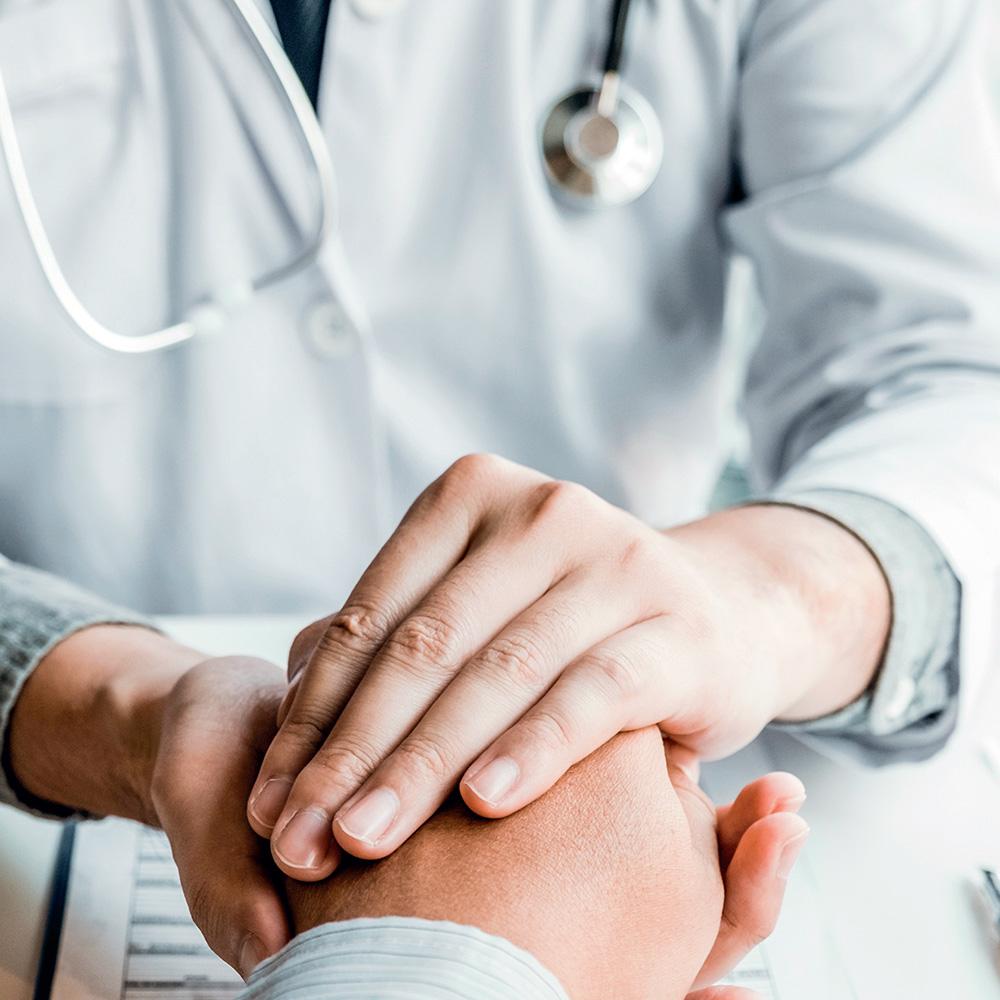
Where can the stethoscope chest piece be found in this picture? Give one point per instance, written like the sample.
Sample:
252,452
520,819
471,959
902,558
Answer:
597,158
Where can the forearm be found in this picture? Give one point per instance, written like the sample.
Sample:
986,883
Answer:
804,589
85,728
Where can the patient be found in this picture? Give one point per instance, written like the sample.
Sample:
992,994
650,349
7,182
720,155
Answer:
611,880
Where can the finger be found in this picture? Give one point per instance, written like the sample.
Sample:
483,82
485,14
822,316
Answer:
304,645
488,695
776,792
604,691
415,664
231,888
289,697
754,888
697,806
343,645
724,993
237,905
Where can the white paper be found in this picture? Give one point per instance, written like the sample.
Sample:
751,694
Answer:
127,932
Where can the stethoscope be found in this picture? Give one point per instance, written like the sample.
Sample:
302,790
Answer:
601,147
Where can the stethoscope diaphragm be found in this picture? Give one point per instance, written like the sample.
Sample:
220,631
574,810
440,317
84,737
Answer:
599,156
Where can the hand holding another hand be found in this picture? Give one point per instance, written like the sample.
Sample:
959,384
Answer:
513,624
612,879
153,731
615,845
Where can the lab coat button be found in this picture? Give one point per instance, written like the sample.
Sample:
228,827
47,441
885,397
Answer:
328,330
372,10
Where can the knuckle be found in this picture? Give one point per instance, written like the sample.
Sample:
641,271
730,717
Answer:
466,474
550,729
424,639
474,466
357,626
617,672
426,756
556,500
749,929
304,727
517,659
560,623
347,761
632,557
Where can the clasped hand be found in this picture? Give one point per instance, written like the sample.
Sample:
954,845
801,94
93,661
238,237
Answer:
217,722
510,626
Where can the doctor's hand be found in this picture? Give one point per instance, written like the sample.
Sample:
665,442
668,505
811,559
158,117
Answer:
513,623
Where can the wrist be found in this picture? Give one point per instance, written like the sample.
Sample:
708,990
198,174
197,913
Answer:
815,597
147,667
86,726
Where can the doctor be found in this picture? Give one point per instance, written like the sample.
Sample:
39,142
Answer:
512,270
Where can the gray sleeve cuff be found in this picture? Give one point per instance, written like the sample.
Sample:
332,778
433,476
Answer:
36,612
911,709
401,957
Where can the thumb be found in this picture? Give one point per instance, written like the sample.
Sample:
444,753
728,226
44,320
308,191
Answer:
238,908
754,886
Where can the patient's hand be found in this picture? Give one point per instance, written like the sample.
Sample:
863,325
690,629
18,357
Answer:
612,879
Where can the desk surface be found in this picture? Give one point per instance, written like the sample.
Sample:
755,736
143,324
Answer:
894,852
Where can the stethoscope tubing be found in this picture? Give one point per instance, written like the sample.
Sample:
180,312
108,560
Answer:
616,40
210,313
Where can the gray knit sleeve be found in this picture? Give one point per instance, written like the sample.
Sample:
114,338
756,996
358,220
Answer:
36,612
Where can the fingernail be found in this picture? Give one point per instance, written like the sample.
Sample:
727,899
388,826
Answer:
369,817
495,780
252,953
305,840
789,854
789,805
270,800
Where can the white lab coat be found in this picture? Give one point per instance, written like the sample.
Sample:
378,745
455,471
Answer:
460,308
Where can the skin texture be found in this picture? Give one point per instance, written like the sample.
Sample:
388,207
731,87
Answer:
513,624
103,691
125,721
625,900
577,886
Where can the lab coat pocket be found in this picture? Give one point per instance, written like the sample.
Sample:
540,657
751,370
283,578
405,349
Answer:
84,124
52,45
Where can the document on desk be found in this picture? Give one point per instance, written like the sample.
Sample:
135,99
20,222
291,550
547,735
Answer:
127,933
